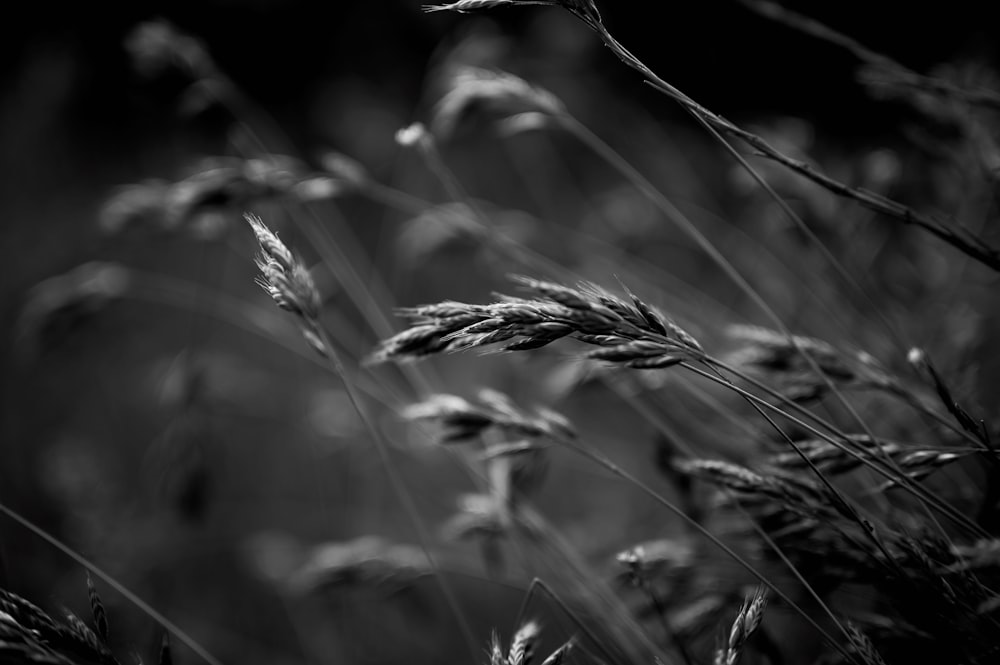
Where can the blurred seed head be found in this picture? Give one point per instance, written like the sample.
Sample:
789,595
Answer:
782,359
433,229
646,561
458,419
58,306
917,357
479,516
131,205
218,189
345,169
366,561
156,45
516,470
500,94
415,135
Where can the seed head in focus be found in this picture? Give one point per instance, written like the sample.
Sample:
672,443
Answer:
288,282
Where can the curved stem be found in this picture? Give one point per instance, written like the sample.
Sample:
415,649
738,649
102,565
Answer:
611,466
902,479
145,607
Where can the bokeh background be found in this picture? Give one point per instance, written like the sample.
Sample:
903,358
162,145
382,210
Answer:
196,461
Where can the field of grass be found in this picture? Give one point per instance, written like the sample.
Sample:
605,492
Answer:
531,358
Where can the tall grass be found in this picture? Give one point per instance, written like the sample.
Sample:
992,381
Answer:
745,429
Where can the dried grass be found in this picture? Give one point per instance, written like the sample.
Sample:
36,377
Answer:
801,510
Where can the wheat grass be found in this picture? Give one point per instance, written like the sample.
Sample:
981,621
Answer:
744,626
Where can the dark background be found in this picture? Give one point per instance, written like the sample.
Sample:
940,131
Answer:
718,52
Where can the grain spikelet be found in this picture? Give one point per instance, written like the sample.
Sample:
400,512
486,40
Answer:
745,624
648,560
97,610
203,203
288,282
24,612
522,646
59,305
862,646
782,359
628,335
460,420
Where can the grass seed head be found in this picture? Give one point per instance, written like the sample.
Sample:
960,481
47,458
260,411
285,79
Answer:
283,277
496,650
57,306
516,470
647,560
500,93
462,420
415,135
459,420
587,314
156,45
366,561
478,514
202,203
100,615
746,623
522,646
862,646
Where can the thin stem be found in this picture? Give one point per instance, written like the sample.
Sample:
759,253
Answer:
810,26
672,212
809,233
602,599
962,240
605,462
402,492
174,292
841,499
145,607
668,629
714,362
538,583
903,480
